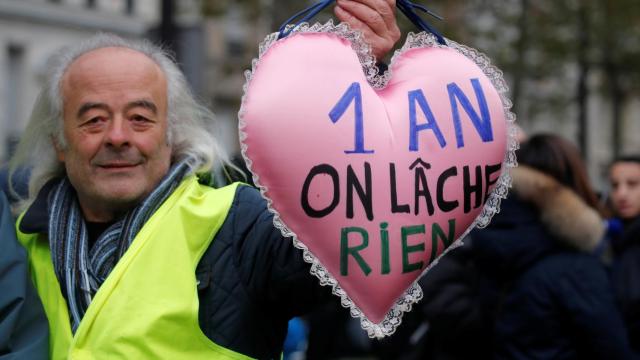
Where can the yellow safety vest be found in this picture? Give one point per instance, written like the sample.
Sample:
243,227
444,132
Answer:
147,308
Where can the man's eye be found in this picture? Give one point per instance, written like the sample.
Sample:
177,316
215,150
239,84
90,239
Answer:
94,120
139,118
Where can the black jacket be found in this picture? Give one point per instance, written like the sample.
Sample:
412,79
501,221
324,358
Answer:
626,278
254,281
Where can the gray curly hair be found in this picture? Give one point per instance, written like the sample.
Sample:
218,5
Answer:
190,124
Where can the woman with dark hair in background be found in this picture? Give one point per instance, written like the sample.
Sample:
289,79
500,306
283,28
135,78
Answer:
624,176
553,298
528,286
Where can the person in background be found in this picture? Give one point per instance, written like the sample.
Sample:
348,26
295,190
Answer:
624,177
24,333
551,297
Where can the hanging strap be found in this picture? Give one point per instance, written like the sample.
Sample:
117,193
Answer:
407,7
307,14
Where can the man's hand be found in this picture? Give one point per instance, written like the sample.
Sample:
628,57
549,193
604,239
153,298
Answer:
375,18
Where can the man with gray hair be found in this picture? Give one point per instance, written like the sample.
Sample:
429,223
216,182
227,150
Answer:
131,255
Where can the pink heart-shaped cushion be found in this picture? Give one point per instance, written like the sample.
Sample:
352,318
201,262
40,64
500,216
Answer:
373,183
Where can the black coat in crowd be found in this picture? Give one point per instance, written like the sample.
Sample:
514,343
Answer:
554,299
551,301
626,278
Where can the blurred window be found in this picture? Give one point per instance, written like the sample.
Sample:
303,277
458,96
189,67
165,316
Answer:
15,82
235,48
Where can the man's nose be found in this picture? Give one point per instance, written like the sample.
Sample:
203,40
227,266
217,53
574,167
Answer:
118,133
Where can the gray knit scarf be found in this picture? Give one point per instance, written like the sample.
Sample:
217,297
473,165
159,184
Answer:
80,270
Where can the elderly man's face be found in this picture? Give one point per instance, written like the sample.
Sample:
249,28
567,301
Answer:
115,126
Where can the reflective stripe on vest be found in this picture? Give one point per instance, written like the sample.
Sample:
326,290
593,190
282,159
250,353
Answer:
147,308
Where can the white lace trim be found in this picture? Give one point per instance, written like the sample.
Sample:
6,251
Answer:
414,293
